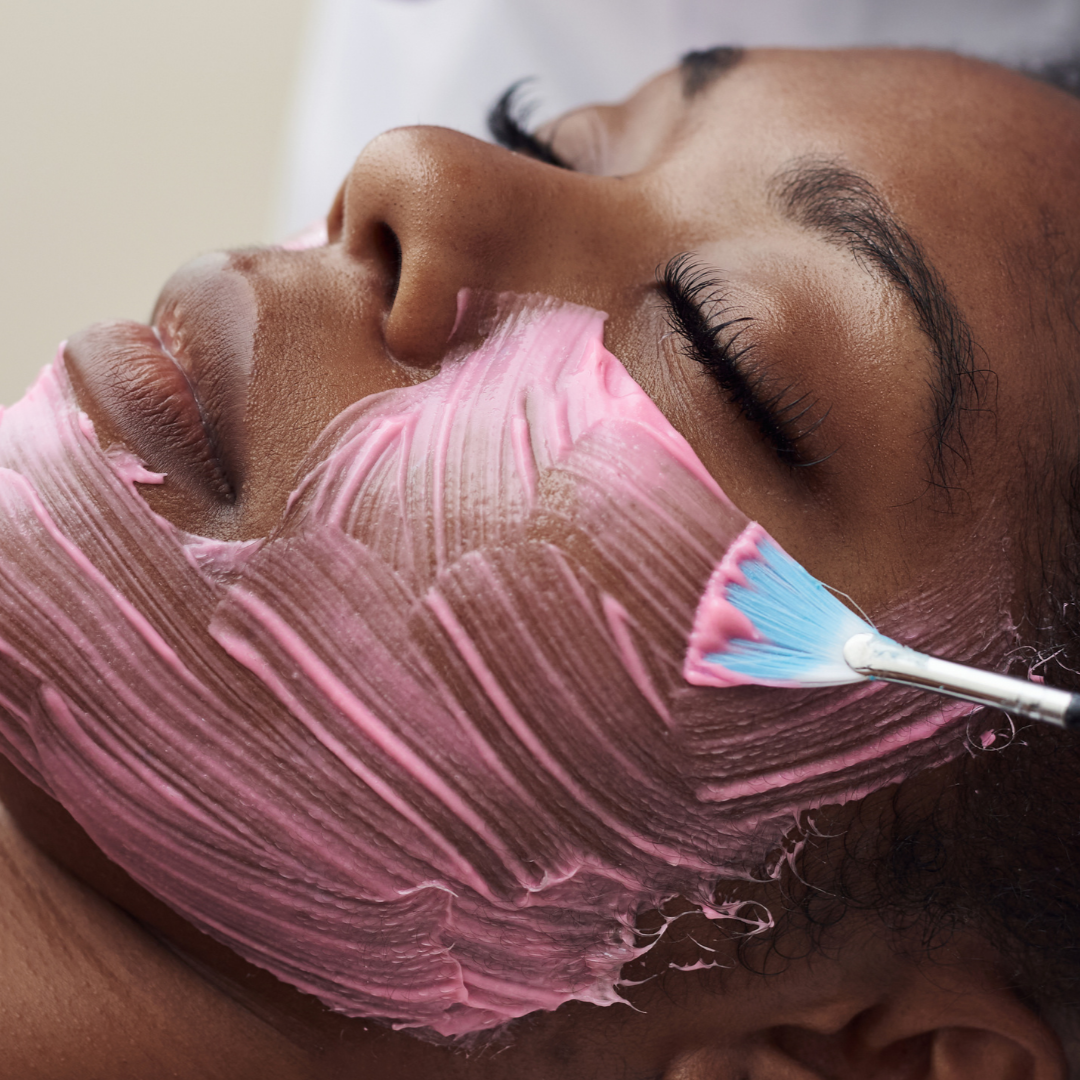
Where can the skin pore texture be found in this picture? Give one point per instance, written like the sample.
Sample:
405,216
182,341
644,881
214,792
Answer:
476,606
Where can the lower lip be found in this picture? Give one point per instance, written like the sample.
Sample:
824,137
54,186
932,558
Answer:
138,395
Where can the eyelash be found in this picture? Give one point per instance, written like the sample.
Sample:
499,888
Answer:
507,126
696,312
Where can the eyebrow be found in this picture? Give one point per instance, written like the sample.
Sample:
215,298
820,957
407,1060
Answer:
851,213
700,69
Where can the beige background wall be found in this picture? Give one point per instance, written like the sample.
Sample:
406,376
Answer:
134,134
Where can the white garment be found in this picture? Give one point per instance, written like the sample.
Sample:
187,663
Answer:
375,64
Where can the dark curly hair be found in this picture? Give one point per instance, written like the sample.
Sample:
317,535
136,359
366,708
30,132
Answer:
995,849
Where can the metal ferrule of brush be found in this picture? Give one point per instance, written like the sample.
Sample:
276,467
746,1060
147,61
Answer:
880,658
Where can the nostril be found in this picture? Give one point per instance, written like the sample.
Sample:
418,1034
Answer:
388,252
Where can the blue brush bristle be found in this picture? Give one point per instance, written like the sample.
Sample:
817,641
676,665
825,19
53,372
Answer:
805,625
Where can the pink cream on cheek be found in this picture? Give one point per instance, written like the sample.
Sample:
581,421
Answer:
425,752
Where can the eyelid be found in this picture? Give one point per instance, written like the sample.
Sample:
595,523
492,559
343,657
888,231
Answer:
584,141
698,311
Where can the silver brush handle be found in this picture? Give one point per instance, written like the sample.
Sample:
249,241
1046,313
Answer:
880,658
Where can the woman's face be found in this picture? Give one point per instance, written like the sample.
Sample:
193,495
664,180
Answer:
859,219
859,341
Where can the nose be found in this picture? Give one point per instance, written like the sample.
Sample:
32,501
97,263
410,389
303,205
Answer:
438,210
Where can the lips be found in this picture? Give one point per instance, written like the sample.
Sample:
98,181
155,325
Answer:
137,393
174,393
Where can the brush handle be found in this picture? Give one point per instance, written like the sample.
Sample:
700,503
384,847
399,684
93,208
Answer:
879,658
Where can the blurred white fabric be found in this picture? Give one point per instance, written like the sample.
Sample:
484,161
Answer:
375,64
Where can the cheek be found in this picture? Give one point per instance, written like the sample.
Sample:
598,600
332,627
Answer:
384,752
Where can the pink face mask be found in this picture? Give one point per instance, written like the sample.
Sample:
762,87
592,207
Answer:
424,752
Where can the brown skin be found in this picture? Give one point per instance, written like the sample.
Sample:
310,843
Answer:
974,160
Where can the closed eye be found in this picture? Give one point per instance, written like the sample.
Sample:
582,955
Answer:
507,123
785,416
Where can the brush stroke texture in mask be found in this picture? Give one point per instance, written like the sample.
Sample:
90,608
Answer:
424,752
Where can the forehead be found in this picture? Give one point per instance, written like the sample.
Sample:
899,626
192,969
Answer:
978,161
932,128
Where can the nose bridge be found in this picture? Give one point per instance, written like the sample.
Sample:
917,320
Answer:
465,213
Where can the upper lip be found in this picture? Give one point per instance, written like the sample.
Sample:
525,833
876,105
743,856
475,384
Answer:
173,393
